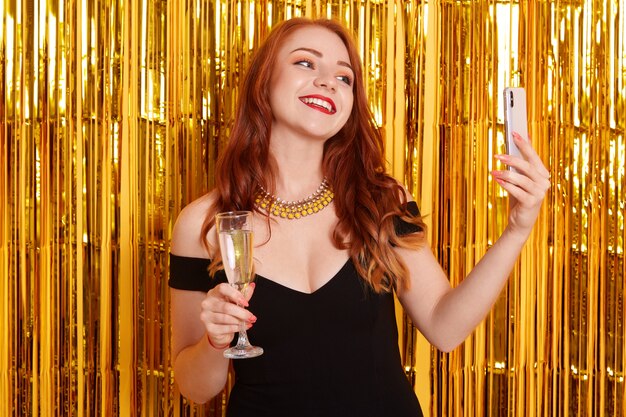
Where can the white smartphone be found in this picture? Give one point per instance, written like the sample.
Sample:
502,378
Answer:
515,117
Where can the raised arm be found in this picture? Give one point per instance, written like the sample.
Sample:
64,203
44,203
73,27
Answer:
447,316
200,368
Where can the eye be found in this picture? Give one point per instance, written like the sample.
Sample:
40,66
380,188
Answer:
304,62
345,79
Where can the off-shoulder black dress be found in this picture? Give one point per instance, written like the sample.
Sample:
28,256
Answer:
330,353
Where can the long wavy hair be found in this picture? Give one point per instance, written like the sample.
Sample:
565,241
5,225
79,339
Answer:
366,199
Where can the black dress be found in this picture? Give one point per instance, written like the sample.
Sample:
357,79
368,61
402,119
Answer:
333,352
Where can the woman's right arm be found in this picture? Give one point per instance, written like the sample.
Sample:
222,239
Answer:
200,368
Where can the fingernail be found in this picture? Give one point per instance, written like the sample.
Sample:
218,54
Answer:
252,319
501,157
518,137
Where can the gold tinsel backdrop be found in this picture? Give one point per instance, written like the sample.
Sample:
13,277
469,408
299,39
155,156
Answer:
111,117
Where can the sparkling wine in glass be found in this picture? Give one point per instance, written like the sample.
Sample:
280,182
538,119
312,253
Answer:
234,229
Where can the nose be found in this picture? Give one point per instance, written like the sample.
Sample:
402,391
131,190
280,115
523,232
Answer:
326,80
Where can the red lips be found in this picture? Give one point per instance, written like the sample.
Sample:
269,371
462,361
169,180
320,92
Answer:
321,103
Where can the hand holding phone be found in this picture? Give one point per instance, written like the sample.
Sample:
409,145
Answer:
515,118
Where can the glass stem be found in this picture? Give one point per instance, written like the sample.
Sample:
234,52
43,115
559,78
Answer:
242,340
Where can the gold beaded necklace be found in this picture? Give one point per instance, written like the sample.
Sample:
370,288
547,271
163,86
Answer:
295,209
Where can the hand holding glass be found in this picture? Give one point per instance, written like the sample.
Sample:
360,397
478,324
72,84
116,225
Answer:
234,230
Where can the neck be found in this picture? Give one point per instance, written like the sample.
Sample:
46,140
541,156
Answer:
298,186
299,168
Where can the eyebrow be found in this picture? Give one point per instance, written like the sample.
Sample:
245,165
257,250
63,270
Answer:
319,55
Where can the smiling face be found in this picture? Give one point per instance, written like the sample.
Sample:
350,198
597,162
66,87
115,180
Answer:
311,86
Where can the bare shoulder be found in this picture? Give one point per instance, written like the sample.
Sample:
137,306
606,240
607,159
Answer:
187,236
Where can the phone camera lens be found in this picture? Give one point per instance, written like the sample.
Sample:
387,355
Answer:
511,98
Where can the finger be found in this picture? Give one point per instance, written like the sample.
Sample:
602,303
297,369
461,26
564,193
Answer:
525,178
522,187
538,175
224,312
248,291
223,335
218,318
228,292
224,329
529,153
221,328
219,331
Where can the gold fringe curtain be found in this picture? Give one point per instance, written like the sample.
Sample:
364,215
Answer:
111,117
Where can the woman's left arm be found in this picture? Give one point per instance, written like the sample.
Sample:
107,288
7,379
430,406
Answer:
446,316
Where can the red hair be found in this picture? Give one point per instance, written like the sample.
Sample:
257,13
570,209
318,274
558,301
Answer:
366,198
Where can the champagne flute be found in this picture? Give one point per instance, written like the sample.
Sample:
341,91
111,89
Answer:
234,230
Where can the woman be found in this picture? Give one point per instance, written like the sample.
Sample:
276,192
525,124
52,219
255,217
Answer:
323,296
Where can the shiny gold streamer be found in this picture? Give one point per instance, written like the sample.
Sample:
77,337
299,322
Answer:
111,118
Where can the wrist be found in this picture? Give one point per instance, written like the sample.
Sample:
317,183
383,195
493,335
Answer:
517,237
216,346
